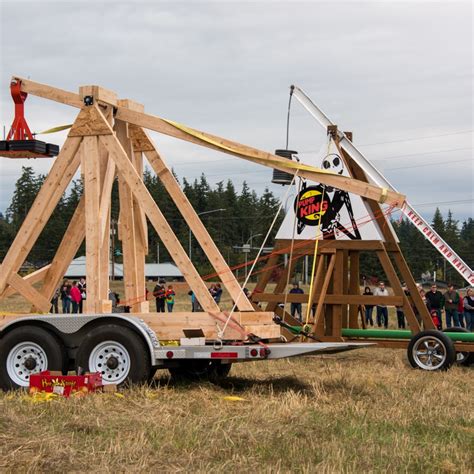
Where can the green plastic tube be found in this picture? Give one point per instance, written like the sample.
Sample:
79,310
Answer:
398,334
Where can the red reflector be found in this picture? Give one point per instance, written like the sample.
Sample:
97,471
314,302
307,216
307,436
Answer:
170,354
254,353
224,355
263,352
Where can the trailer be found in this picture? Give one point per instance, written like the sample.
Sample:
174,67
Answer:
125,350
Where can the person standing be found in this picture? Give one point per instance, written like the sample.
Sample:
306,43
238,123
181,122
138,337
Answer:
66,297
159,293
295,306
169,296
369,309
82,288
75,297
54,302
435,301
382,310
461,310
451,301
217,293
469,310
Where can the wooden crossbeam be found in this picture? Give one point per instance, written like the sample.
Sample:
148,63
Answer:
153,122
199,230
169,239
31,279
29,292
62,171
318,324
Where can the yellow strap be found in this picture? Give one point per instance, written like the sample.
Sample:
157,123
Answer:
384,195
54,129
250,155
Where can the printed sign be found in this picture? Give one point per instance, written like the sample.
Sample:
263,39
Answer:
328,213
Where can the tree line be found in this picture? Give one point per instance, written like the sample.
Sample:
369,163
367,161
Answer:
232,217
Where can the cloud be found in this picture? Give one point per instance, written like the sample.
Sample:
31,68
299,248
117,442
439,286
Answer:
385,70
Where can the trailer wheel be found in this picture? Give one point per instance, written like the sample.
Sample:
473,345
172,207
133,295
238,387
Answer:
25,351
462,358
431,350
199,370
118,353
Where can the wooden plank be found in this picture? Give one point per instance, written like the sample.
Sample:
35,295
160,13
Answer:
127,228
31,279
318,324
334,299
105,199
255,317
354,287
70,243
199,230
139,214
90,122
214,142
63,169
159,222
338,289
99,94
48,92
414,292
306,247
29,293
345,288
398,290
91,168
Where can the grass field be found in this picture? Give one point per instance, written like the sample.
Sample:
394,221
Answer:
361,411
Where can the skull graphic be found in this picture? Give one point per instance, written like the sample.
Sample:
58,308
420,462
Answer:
333,163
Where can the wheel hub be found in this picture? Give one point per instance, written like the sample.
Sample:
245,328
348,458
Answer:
429,353
112,360
25,359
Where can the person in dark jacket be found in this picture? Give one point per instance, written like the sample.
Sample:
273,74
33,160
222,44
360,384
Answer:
295,307
435,301
159,292
369,309
451,302
66,296
469,310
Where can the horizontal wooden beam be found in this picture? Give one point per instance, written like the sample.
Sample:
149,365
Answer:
306,247
31,279
158,124
332,299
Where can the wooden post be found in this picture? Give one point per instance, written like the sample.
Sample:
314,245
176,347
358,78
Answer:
354,287
135,184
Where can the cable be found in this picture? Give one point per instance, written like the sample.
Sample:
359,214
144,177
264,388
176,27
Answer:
292,88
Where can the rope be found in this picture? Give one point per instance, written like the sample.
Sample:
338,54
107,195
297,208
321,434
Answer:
221,332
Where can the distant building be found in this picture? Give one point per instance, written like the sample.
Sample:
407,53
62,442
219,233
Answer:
153,271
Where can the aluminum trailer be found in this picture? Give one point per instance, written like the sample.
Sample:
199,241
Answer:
125,350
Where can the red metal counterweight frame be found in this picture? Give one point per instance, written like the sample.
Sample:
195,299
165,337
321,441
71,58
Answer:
19,129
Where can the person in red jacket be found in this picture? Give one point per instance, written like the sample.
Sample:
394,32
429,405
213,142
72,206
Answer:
76,297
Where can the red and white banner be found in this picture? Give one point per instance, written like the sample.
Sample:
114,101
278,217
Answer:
443,248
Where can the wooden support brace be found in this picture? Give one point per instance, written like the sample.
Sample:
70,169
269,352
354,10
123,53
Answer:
318,324
31,279
354,287
29,292
169,239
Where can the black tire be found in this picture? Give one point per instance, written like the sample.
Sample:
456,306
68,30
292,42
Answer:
431,350
116,351
31,337
201,370
462,358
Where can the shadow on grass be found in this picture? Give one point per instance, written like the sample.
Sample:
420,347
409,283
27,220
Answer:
234,385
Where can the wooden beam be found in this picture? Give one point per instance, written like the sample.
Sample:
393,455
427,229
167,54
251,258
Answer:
91,169
105,199
159,222
90,122
333,299
398,290
29,293
63,169
214,142
70,243
354,287
199,230
338,288
31,279
318,324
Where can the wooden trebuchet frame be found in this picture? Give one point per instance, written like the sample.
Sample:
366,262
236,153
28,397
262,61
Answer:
336,300
107,141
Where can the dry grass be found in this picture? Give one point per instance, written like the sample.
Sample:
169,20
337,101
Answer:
362,411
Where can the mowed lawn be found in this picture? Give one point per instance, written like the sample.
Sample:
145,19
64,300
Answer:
359,411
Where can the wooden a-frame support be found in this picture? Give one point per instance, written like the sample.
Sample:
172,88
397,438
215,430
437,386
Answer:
107,141
336,290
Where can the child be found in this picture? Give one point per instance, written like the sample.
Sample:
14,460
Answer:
435,318
169,296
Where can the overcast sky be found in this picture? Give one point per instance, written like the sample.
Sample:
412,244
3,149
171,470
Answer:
398,74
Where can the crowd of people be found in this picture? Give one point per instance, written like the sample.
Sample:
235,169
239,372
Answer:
458,308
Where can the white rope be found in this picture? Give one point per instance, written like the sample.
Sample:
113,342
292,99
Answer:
221,333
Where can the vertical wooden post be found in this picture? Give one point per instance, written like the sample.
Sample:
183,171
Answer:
354,286
91,169
337,287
